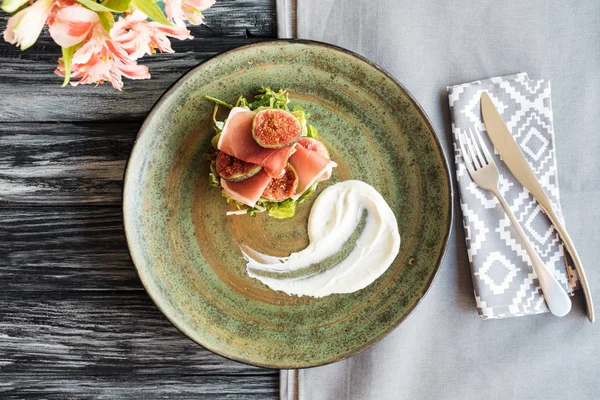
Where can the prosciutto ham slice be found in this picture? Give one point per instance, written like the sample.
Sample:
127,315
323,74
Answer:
237,141
310,167
249,190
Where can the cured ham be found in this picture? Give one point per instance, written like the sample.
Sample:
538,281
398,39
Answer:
249,190
237,141
319,147
310,167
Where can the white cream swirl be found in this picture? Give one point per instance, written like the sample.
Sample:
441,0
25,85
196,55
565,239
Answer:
333,219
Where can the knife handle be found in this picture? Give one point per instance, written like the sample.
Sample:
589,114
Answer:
556,297
562,231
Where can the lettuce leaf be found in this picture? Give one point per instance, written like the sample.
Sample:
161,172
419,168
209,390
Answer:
312,132
301,116
266,98
282,210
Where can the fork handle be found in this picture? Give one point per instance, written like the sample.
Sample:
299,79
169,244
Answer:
556,297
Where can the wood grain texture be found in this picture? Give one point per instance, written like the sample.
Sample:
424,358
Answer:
89,102
73,312
89,333
75,321
229,24
130,386
64,249
64,163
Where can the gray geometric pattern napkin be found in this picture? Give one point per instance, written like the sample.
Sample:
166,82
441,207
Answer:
504,282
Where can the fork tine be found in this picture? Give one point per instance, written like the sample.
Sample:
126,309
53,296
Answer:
490,160
481,159
472,153
465,156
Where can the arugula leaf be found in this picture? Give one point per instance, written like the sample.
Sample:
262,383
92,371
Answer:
213,182
215,140
219,102
241,102
308,193
271,99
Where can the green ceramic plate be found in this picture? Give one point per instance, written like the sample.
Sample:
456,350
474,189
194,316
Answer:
186,249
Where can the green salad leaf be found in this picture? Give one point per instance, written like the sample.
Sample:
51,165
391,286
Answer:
266,98
213,181
219,102
271,99
282,210
215,140
300,115
312,132
308,193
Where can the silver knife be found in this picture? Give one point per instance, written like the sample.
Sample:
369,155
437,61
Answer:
514,159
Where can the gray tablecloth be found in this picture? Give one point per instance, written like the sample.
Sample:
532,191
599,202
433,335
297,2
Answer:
444,350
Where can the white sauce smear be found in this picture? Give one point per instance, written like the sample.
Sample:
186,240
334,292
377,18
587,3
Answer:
334,217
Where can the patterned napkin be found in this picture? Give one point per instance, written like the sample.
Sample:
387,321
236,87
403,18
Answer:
503,277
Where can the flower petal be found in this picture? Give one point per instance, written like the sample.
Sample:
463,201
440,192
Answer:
25,27
72,25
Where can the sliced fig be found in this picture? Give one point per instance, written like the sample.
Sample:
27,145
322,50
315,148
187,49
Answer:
233,169
283,187
314,145
274,129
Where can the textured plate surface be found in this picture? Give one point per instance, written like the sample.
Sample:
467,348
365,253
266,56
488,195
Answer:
186,249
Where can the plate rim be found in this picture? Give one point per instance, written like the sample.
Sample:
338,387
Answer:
448,229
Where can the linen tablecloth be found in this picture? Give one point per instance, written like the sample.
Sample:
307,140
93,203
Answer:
444,350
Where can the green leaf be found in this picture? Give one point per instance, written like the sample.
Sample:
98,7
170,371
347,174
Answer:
92,5
117,5
217,101
67,55
282,210
10,6
301,117
213,182
241,102
215,140
312,132
271,99
152,10
107,20
308,193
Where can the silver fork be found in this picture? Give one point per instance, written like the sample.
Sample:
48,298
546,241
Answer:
485,174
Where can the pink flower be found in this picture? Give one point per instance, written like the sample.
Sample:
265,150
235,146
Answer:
72,24
101,59
24,27
179,11
139,37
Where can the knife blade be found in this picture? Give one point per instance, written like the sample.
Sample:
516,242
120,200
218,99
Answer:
516,162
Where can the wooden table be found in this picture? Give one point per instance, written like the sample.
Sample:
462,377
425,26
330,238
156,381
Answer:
75,321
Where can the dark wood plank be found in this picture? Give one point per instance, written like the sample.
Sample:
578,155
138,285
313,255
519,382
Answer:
129,386
64,249
32,73
99,333
64,163
226,18
62,321
229,24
